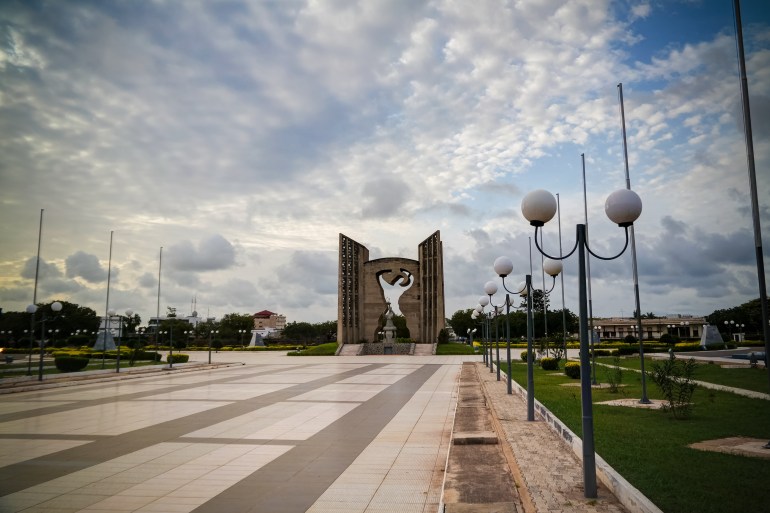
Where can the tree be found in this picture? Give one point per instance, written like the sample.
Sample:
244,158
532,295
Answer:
461,322
749,313
232,323
301,331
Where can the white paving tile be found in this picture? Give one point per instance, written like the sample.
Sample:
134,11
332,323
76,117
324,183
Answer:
279,421
13,450
219,392
197,470
107,419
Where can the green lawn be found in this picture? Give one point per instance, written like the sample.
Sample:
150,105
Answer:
319,350
453,348
17,369
649,448
745,377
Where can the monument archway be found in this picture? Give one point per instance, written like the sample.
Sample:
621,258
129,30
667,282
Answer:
362,301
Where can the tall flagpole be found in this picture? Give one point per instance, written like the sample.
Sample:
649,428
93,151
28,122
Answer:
107,307
157,310
752,184
561,275
34,295
588,276
644,399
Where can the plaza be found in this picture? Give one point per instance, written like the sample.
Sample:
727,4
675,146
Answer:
272,434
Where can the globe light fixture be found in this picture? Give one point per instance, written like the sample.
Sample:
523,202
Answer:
622,207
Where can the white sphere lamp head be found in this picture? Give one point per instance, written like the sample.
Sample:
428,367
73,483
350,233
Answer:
552,267
623,207
538,207
503,266
490,288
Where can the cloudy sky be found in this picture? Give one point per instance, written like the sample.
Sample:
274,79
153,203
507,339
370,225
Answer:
244,136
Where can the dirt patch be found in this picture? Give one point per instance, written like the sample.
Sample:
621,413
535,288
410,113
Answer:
598,385
738,445
655,404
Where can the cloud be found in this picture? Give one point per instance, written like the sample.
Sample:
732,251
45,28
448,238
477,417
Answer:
211,254
45,270
87,266
383,197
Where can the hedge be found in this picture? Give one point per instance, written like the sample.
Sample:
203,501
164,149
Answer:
67,363
572,369
178,358
549,363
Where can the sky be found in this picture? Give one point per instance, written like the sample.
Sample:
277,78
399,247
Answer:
242,137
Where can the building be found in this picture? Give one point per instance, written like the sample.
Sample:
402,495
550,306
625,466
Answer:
269,320
682,326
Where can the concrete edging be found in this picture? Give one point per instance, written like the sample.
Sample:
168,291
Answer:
626,493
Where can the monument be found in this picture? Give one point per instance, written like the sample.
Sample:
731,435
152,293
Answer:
361,299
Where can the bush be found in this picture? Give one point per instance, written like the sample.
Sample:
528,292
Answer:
572,369
629,339
687,346
523,356
549,363
70,363
667,338
674,378
178,358
614,375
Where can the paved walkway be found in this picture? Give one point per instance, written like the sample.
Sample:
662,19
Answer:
551,474
278,434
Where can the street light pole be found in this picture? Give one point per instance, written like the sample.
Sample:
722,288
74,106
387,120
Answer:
623,207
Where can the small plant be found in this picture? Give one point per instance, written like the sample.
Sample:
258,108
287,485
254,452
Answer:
572,369
614,375
178,358
66,363
523,356
674,378
549,363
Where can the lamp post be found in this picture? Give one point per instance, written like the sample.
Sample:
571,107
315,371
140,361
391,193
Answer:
622,207
137,345
31,309
55,307
242,332
211,332
490,288
129,313
503,267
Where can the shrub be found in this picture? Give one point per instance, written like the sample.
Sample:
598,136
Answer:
667,338
443,336
549,363
674,378
523,356
629,339
572,369
614,375
70,363
687,346
178,358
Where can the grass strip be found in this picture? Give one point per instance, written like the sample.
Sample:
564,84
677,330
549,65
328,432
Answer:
650,448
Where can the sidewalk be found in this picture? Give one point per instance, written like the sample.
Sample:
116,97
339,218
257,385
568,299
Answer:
551,474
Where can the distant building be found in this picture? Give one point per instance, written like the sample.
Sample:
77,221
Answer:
682,326
269,320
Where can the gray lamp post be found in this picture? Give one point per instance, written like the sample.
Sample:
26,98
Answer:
474,317
242,333
623,207
211,332
31,309
55,308
503,266
129,313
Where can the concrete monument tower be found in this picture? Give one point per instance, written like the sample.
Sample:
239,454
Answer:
361,300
